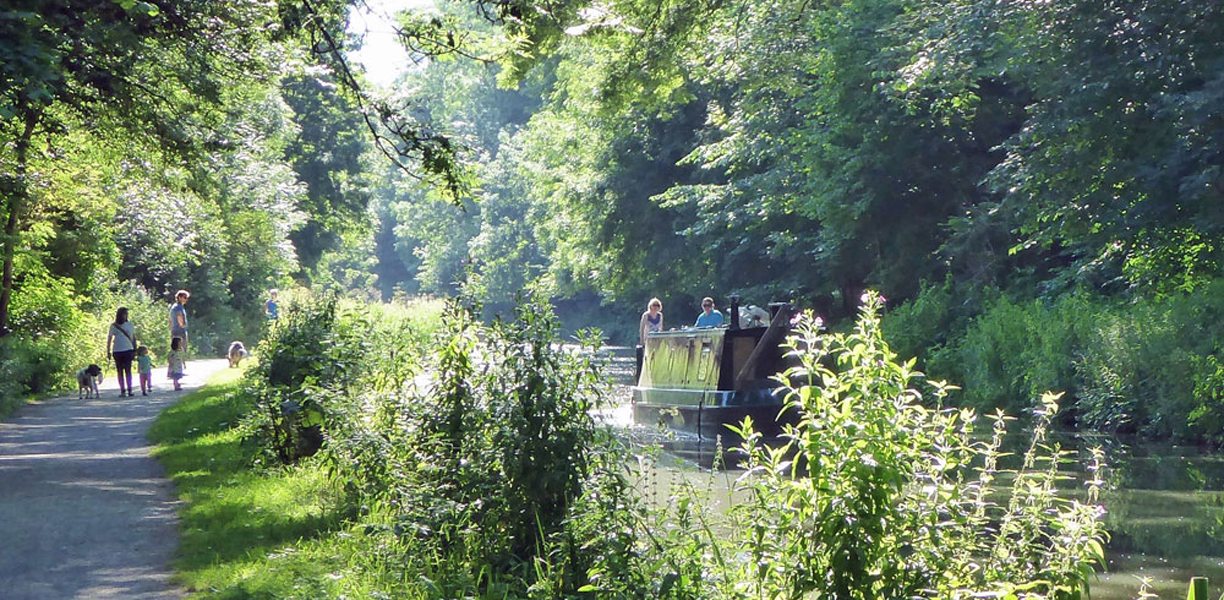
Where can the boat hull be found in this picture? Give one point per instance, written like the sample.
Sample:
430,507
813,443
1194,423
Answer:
706,413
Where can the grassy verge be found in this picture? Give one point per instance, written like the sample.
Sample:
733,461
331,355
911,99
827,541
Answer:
246,533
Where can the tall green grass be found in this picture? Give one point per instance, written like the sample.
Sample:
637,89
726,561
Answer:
288,531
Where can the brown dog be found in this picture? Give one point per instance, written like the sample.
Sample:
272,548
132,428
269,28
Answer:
87,381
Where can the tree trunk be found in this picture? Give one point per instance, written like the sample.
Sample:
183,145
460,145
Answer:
15,196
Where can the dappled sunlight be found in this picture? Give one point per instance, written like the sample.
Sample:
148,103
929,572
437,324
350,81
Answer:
84,510
423,240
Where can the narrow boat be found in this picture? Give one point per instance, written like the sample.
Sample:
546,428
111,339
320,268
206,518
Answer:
699,380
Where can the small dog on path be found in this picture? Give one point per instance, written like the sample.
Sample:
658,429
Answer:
236,353
87,381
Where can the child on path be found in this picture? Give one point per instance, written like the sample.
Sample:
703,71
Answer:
144,363
174,367
272,307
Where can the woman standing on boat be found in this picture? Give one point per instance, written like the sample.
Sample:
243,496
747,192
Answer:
652,319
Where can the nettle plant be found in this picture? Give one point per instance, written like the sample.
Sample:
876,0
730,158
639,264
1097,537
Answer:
880,493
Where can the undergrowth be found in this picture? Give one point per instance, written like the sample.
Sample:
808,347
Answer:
478,472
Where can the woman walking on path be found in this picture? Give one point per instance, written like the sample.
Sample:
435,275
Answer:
121,345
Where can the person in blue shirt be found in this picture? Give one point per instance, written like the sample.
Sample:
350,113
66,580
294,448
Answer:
272,307
709,317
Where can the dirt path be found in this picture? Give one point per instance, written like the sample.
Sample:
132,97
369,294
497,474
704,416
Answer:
85,512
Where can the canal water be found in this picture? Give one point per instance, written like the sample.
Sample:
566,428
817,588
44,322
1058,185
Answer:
1164,503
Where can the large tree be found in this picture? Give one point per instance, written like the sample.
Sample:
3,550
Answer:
155,73
148,68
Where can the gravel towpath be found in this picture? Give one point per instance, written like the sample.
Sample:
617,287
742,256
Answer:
85,511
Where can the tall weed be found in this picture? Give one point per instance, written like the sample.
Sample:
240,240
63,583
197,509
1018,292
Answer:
318,358
878,494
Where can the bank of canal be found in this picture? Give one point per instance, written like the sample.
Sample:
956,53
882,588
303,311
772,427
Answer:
1164,503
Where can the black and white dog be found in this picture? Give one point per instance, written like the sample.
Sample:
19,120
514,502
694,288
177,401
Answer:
753,316
88,380
236,353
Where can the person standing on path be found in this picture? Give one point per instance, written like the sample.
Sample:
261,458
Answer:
145,367
178,320
121,345
272,307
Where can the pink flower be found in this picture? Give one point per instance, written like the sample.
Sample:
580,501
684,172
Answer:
867,296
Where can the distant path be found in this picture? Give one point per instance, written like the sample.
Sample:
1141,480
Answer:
85,512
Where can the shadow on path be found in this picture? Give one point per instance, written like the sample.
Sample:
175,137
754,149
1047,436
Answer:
85,512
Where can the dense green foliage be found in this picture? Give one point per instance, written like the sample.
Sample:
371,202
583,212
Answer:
220,147
1031,154
475,472
147,147
488,477
761,147
1026,152
317,356
1144,366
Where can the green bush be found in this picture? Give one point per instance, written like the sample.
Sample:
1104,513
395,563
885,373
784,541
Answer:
28,367
924,324
476,469
319,356
1015,350
1136,370
310,358
1207,417
880,494
1147,369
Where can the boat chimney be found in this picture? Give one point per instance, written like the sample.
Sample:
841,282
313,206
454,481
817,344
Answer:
787,301
734,316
